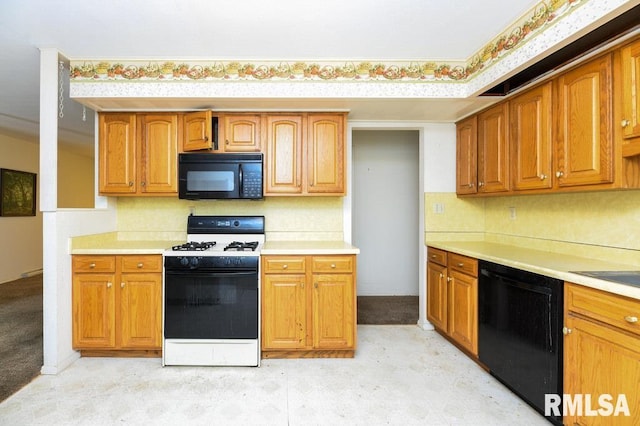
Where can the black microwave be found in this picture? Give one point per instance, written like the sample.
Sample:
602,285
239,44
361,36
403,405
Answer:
220,176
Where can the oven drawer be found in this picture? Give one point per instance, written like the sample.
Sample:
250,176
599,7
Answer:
82,263
284,264
332,264
144,263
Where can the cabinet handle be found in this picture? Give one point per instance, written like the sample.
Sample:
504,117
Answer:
543,176
109,285
559,174
480,184
630,319
470,185
140,265
625,123
333,266
92,265
226,141
441,275
130,183
433,256
285,266
206,138
121,285
449,279
460,265
566,330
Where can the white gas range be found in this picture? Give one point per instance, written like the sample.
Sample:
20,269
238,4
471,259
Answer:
211,293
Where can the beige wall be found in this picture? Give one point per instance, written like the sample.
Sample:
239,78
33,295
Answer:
75,179
586,224
309,218
21,237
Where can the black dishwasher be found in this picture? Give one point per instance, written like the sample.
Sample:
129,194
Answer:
520,331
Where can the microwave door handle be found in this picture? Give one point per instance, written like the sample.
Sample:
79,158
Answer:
241,178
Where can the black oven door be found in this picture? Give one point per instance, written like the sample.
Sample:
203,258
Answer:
211,305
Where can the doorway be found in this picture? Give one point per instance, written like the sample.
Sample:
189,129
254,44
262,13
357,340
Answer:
385,218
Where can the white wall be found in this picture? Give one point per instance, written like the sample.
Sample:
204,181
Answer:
385,211
20,251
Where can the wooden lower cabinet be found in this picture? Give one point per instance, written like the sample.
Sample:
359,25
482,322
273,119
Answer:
452,297
308,306
117,304
601,354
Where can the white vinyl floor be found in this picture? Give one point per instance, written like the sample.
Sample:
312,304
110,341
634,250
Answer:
401,375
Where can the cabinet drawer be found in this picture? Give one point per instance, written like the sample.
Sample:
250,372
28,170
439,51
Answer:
437,256
464,264
332,264
150,263
618,311
284,264
83,263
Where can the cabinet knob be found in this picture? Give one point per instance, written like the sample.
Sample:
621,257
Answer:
543,176
130,183
566,330
559,174
333,266
121,285
109,285
206,138
92,265
441,275
226,141
480,184
449,279
460,265
625,123
470,185
285,266
630,319
140,265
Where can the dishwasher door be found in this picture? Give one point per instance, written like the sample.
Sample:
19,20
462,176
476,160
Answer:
520,331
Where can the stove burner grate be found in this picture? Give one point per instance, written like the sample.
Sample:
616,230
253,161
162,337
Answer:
194,246
242,246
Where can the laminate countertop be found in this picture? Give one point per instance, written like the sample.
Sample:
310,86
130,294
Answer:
308,248
547,263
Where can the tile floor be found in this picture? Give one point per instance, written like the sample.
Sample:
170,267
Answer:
401,375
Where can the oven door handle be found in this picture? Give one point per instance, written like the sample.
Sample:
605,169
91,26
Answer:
210,274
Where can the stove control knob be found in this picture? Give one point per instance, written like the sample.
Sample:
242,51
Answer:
238,261
194,262
184,261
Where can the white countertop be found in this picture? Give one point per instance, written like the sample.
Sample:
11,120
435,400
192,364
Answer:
551,264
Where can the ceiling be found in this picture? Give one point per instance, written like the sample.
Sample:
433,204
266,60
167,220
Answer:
385,30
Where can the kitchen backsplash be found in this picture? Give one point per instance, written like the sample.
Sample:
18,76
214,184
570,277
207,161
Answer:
299,218
585,224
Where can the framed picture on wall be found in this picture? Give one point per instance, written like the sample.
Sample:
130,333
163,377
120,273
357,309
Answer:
17,193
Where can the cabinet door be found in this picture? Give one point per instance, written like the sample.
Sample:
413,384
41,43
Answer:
630,122
463,310
601,360
467,156
94,317
333,311
437,295
493,149
584,141
530,139
284,324
197,131
242,133
325,154
159,153
117,153
283,158
140,311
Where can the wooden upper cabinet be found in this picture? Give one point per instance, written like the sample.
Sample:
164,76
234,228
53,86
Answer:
493,149
241,133
467,156
197,132
325,154
283,168
117,153
630,94
530,139
584,139
158,153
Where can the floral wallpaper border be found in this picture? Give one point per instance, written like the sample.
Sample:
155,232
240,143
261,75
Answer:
538,18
